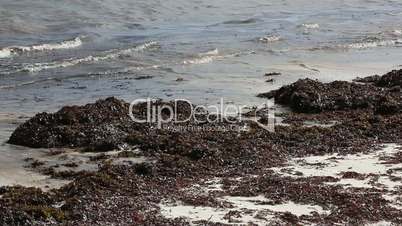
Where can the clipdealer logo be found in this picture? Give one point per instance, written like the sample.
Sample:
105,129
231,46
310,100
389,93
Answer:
160,114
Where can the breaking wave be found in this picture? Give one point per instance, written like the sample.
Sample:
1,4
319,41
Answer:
201,60
5,53
372,43
311,26
367,43
397,32
16,50
210,56
36,67
210,53
270,38
204,58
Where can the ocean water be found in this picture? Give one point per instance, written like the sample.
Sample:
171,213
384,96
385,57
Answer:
55,53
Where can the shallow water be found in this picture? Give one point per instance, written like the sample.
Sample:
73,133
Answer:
54,53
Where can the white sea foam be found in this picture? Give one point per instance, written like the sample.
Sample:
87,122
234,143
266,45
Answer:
373,43
270,38
210,53
397,32
71,62
5,53
15,50
201,60
208,57
367,43
311,26
69,44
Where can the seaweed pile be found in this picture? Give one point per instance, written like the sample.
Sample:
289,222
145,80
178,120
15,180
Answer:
101,126
367,114
382,94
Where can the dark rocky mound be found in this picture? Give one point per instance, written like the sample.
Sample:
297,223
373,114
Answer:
100,126
310,96
390,80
